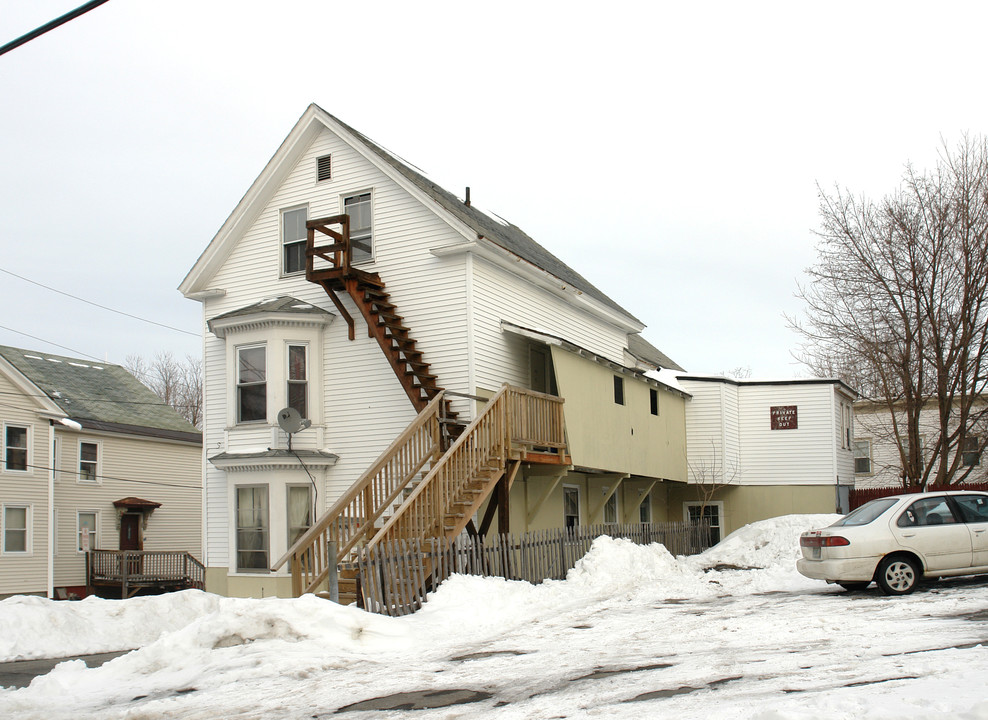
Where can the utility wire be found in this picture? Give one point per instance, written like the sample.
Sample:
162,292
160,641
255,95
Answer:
95,304
49,342
71,15
118,479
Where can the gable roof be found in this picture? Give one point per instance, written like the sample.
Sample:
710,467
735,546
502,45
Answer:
505,234
100,396
501,233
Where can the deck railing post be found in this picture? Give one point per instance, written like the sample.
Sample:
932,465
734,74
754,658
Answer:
334,580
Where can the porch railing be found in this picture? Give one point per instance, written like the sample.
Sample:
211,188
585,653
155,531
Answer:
134,569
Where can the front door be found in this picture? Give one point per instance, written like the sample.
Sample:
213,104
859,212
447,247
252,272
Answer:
130,539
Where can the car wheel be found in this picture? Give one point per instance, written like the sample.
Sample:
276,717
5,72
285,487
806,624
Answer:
854,586
897,575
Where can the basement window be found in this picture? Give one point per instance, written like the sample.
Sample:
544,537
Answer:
324,168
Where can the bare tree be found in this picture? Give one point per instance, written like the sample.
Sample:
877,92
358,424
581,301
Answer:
178,384
898,306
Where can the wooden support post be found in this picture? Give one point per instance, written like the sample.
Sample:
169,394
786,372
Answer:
334,580
503,509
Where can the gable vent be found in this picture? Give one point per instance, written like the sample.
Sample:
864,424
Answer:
324,168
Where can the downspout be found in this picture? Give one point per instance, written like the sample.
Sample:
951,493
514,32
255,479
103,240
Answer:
51,510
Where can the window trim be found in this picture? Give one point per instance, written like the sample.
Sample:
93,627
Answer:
238,406
612,504
283,244
619,395
854,452
265,528
28,454
646,501
288,504
373,245
97,478
94,536
289,344
719,504
579,509
976,452
28,539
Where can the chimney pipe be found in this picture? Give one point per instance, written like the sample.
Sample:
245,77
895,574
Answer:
467,201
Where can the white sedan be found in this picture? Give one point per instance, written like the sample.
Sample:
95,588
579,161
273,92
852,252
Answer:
897,541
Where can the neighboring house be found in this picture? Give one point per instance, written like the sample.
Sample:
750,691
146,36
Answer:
400,295
88,455
759,449
877,462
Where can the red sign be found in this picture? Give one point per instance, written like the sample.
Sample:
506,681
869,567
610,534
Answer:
784,417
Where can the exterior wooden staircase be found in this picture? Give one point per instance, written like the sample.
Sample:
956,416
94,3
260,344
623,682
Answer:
416,490
384,324
436,475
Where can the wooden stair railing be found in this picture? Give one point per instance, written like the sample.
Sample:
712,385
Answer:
351,520
513,421
384,324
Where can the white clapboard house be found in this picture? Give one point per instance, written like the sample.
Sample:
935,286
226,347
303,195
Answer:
449,370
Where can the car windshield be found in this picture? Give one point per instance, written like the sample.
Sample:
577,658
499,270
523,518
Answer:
866,513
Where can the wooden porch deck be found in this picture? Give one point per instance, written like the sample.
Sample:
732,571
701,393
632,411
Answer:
132,571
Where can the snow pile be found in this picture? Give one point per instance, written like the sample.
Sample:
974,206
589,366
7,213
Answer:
190,623
35,627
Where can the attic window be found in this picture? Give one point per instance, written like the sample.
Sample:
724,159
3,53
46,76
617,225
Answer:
324,168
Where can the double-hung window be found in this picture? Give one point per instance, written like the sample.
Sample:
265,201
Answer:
293,237
87,530
862,457
298,379
611,510
358,207
15,529
252,528
571,505
15,445
252,402
971,451
299,511
88,462
710,513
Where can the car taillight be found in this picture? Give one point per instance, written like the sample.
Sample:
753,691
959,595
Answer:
823,541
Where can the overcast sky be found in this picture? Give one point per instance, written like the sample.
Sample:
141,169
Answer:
669,152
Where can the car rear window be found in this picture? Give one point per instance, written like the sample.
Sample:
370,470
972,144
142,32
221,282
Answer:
973,507
866,513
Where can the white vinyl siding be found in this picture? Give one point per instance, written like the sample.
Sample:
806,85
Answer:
729,434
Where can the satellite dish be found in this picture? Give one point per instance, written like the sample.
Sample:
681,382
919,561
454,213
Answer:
291,421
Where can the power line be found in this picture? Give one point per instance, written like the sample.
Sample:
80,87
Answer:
71,15
49,342
96,304
118,479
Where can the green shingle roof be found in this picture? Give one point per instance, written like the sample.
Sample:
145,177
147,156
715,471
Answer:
92,391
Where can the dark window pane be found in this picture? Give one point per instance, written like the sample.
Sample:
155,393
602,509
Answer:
251,365
253,402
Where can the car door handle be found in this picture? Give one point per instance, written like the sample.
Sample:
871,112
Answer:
978,532
908,534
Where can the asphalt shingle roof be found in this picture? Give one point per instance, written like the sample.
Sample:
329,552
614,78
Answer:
507,235
99,392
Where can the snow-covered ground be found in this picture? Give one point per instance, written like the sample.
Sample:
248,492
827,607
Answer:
631,633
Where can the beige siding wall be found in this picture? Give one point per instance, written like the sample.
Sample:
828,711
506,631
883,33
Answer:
627,438
531,509
159,471
744,505
24,572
